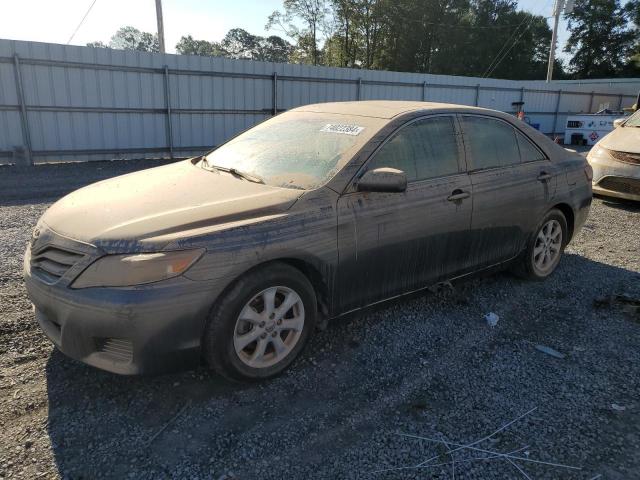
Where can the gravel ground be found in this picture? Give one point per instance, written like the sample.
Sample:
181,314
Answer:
428,366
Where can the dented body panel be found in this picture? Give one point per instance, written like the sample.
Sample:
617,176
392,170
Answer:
357,248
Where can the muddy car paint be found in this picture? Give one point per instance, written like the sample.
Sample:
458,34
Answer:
356,248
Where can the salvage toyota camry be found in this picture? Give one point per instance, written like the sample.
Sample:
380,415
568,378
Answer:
234,257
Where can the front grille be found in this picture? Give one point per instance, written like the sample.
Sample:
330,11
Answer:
621,185
119,349
53,262
625,157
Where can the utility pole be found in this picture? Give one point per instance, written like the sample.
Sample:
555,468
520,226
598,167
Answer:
558,5
160,26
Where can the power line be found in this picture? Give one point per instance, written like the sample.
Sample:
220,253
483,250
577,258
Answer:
418,21
509,49
81,22
497,61
472,27
515,31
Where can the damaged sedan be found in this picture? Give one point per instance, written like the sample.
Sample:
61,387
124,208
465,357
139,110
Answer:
233,258
615,160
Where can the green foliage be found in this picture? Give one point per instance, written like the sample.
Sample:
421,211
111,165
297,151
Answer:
239,43
130,38
190,46
456,37
97,44
602,40
313,14
486,38
632,69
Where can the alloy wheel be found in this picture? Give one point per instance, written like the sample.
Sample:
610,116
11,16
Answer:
548,246
269,327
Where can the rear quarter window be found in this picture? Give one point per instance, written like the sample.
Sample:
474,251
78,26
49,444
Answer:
528,151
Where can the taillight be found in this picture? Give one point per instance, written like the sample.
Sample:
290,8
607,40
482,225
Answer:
588,171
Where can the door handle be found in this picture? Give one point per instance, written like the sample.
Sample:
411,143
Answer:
458,194
544,176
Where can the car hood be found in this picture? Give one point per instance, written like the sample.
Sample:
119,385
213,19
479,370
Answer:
121,212
623,139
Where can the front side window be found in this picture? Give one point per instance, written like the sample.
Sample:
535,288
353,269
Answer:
423,149
300,150
490,143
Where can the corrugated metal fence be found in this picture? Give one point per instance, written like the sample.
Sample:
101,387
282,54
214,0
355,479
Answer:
60,103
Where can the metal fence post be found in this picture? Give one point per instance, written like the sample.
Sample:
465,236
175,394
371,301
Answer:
424,91
620,102
555,115
275,93
359,89
167,101
477,100
591,102
24,121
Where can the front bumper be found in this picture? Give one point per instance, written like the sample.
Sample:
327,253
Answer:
144,329
613,178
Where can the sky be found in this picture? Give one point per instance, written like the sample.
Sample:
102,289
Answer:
54,21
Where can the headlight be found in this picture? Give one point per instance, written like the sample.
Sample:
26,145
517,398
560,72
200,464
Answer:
136,269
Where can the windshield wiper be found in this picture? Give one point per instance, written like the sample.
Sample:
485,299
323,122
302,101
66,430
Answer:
233,171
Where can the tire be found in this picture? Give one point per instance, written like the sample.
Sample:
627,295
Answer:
529,266
241,315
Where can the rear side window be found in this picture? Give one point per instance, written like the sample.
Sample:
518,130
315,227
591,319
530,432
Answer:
490,143
528,151
423,149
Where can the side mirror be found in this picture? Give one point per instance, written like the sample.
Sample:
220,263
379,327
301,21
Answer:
383,180
617,122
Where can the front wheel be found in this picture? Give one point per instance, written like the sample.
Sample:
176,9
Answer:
545,247
261,323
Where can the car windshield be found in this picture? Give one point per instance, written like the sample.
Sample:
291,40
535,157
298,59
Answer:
633,120
300,150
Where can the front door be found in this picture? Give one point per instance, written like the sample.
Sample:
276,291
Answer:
393,243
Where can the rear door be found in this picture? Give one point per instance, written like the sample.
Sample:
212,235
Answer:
392,243
512,184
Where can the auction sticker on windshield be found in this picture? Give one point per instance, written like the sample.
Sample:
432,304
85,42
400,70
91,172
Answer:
342,128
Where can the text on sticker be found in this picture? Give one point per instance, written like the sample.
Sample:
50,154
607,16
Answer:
341,128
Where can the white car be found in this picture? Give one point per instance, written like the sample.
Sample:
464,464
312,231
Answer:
615,160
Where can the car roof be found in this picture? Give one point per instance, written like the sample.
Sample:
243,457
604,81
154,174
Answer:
383,108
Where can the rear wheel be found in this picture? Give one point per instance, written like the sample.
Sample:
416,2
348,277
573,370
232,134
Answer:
261,324
545,247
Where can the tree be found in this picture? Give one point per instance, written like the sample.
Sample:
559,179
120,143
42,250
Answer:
274,49
238,43
601,39
455,37
313,14
303,51
97,44
339,48
190,46
507,43
632,69
130,38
